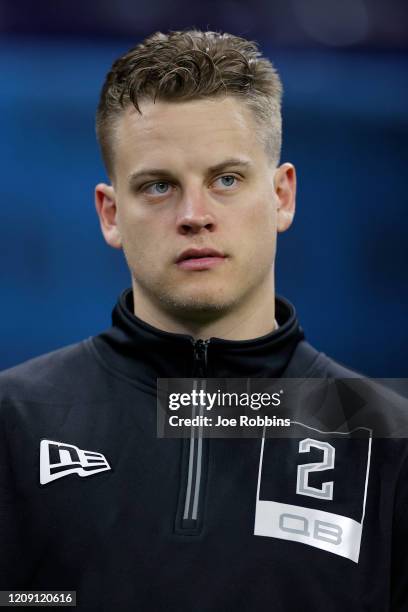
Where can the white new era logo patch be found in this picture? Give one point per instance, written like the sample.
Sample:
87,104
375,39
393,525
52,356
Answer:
58,459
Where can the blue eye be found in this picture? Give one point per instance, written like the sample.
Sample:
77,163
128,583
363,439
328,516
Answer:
159,188
227,180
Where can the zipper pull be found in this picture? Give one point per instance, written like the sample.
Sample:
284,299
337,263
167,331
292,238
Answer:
200,357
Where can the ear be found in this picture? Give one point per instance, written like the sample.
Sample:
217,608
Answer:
105,203
285,189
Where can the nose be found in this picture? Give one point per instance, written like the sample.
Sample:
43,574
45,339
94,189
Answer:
194,214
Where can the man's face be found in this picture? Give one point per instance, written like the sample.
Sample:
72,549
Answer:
193,176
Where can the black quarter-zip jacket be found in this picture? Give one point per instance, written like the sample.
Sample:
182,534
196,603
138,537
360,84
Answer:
188,525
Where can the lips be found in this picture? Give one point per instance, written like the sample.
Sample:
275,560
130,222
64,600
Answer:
199,259
198,254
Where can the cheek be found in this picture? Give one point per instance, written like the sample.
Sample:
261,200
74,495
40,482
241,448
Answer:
132,235
144,238
133,232
261,217
258,231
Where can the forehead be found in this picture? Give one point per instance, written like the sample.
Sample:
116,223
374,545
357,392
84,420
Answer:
194,133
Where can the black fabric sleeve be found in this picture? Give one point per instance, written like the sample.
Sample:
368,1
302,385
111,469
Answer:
399,577
11,532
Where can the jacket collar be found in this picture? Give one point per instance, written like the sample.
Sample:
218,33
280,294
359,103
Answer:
144,353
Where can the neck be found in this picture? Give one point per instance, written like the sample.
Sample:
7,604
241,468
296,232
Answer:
252,318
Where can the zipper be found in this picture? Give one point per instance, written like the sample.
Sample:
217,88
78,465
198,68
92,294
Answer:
195,456
200,348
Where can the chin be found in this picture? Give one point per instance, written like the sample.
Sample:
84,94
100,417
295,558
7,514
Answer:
196,305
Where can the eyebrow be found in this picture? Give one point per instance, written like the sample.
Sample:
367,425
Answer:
232,161
164,173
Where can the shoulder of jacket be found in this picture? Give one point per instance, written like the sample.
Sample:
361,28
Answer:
41,377
377,401
308,362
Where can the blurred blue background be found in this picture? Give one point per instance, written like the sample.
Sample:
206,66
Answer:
344,262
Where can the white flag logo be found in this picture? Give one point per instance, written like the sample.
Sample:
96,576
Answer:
58,459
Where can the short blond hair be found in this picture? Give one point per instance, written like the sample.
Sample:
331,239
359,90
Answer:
190,65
